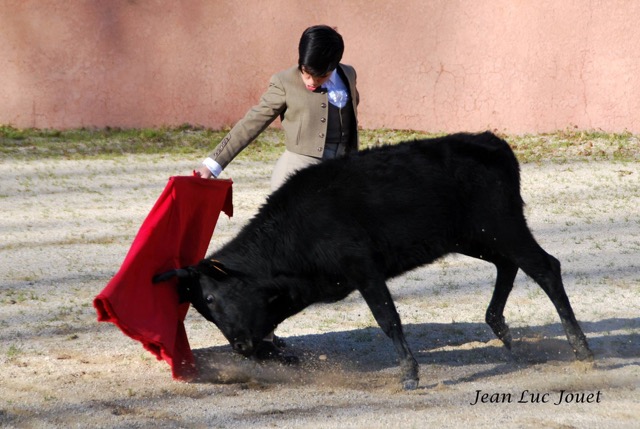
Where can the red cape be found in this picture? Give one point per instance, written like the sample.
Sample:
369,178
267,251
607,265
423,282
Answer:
175,234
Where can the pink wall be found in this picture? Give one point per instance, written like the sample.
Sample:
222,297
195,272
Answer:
437,65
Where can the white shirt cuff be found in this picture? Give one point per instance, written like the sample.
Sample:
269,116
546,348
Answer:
213,166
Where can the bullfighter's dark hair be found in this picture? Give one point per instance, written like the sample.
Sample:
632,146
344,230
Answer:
320,50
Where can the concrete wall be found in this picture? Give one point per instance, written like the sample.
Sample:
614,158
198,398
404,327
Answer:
438,65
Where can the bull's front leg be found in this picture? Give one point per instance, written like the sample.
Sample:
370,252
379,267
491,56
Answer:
378,298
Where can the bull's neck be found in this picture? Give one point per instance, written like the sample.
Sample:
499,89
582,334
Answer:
289,298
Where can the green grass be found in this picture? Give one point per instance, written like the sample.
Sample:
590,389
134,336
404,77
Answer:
14,351
108,142
25,144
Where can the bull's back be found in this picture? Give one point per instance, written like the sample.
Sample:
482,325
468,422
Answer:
412,201
434,177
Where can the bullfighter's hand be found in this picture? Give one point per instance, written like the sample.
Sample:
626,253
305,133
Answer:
203,172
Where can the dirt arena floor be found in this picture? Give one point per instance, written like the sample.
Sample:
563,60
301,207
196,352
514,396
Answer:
66,226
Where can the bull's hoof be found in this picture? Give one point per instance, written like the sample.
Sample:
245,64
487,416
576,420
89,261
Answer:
279,342
268,351
409,384
289,359
503,333
507,341
584,355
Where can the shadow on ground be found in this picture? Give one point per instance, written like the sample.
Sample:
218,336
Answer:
366,356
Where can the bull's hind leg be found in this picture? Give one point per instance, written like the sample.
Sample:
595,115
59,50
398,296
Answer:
544,269
506,274
378,298
494,317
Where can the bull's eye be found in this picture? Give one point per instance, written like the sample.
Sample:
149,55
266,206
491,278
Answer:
209,299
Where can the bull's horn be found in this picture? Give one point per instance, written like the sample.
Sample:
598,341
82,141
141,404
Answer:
181,273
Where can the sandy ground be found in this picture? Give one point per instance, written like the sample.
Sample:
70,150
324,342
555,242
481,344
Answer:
65,227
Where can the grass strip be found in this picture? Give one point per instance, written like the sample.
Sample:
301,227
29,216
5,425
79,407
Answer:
196,142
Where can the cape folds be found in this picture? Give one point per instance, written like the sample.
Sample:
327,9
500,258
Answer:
176,233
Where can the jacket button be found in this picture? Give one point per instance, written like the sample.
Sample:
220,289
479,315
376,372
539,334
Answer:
323,105
323,120
321,135
319,149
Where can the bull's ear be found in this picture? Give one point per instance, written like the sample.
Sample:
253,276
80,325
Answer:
214,269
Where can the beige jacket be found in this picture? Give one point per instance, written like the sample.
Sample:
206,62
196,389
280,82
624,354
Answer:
303,114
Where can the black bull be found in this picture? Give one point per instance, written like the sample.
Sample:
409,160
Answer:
350,224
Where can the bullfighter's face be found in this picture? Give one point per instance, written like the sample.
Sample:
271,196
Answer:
313,82
230,303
